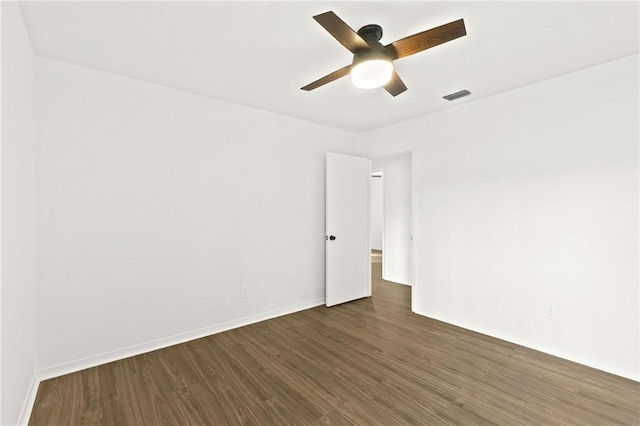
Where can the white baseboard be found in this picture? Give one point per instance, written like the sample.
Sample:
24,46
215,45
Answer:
25,413
395,281
618,371
93,361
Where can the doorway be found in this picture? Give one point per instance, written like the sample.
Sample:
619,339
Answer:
390,233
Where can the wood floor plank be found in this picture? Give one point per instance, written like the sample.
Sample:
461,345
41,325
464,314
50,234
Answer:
371,361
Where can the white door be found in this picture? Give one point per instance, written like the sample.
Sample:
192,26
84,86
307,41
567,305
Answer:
348,257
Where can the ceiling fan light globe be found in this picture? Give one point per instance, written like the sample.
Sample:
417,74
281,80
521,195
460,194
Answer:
372,73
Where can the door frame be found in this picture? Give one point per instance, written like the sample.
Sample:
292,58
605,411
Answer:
378,170
412,254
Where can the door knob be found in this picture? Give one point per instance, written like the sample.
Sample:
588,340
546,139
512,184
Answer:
332,237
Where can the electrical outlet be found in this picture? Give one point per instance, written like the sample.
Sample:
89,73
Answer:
244,292
550,311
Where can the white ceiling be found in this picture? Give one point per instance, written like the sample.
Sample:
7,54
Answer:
260,53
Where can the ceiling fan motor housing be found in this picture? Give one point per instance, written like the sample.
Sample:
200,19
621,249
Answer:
372,34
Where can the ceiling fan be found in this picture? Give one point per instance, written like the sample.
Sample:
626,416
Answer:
372,64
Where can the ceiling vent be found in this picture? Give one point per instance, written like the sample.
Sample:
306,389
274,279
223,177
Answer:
457,95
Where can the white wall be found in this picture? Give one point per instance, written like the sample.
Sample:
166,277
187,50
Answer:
156,206
377,213
530,198
396,257
18,227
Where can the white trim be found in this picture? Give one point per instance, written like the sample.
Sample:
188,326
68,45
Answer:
27,407
598,365
384,213
382,169
370,172
93,361
391,154
377,170
1,144
396,282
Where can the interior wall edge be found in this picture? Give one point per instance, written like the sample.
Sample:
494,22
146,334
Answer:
1,365
397,195
592,363
230,103
18,200
104,358
29,402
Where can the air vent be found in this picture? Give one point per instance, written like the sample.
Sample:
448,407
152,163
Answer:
457,95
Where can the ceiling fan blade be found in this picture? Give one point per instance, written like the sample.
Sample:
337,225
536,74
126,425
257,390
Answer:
395,86
328,78
426,39
341,31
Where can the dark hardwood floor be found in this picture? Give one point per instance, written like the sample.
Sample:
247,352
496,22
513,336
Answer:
371,361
